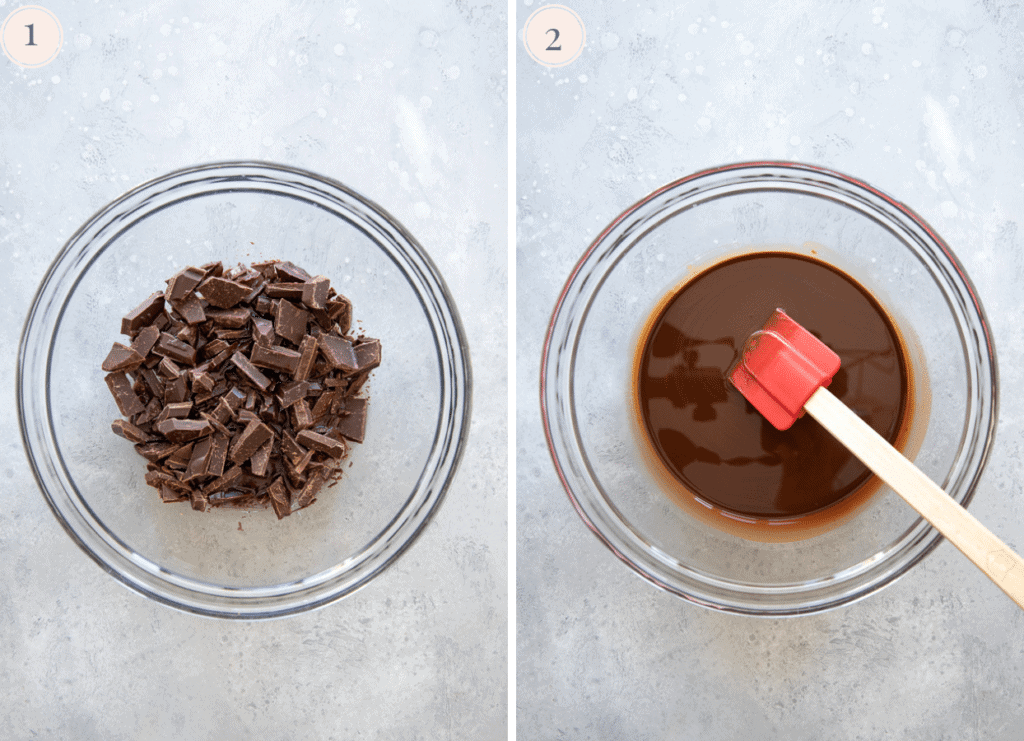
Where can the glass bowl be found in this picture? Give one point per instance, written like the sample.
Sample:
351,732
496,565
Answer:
586,375
232,563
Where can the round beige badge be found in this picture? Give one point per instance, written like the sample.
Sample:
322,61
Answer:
554,35
31,36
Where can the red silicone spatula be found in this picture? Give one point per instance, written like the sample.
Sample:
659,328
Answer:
783,371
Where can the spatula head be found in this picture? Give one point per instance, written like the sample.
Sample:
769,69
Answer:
780,367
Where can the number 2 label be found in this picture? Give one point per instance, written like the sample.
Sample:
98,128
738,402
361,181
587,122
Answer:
554,36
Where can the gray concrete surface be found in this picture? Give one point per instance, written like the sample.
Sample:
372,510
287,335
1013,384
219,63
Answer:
920,101
406,103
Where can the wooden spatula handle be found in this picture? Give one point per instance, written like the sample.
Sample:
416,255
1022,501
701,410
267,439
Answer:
989,553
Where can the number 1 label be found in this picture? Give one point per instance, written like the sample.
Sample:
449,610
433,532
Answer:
31,36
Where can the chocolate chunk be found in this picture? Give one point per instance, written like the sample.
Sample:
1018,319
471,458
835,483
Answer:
290,321
223,482
121,389
129,431
310,490
175,410
168,368
353,424
175,349
223,293
287,271
179,458
222,412
214,347
183,430
289,393
200,500
218,455
263,331
187,334
143,314
145,340
234,318
213,268
301,416
122,358
275,358
339,309
264,305
323,405
248,442
169,495
261,458
200,459
307,356
368,354
314,292
156,451
176,389
190,308
250,371
235,398
279,498
182,284
322,443
339,353
290,291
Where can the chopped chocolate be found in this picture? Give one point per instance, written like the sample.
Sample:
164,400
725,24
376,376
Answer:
129,431
122,358
314,292
223,293
145,339
121,389
183,430
182,284
352,424
277,416
175,349
143,314
248,442
322,443
290,321
250,371
339,353
287,271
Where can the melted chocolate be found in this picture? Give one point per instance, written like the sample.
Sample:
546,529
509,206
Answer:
711,439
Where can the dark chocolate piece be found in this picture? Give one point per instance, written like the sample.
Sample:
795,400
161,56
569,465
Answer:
289,393
123,358
248,442
307,356
259,460
290,291
218,455
275,358
145,339
234,318
175,410
339,353
250,371
129,431
183,430
175,349
352,424
190,308
288,271
183,283
143,314
301,416
262,331
322,443
290,321
200,459
368,354
279,498
176,389
121,389
223,293
314,292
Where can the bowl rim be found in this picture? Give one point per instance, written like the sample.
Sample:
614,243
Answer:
454,408
713,597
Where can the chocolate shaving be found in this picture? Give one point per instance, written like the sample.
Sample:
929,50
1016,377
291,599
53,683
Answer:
268,427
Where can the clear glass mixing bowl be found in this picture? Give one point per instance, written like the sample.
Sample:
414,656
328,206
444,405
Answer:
586,378
222,563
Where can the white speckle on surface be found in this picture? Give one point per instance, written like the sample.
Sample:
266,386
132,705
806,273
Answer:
172,71
955,37
949,209
693,28
105,94
980,71
866,48
799,60
943,139
339,50
321,112
681,97
154,98
428,38
83,41
268,141
126,106
794,140
916,63
953,101
165,30
177,125
301,60
632,94
828,58
452,73
425,102
746,48
156,74
55,79
848,111
704,124
855,87
582,79
272,60
421,209
609,41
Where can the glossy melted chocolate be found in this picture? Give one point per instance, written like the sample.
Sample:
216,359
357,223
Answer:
714,441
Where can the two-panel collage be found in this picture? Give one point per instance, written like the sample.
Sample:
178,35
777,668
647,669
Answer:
386,370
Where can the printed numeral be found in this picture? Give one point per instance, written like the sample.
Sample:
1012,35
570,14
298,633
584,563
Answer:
551,46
